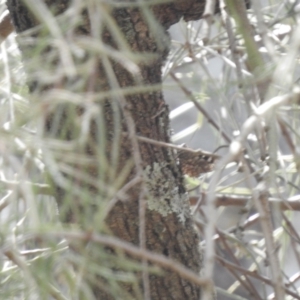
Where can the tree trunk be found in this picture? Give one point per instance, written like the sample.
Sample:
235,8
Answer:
128,79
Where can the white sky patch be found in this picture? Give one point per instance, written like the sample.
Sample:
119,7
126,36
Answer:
178,75
187,131
235,147
252,137
236,133
224,112
282,29
181,109
187,59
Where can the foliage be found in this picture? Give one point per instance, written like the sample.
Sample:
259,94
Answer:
238,77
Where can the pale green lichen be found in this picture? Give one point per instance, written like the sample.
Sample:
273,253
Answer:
164,196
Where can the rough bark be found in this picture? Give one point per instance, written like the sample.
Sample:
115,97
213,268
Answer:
169,229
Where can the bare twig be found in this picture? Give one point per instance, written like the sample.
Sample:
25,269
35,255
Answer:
292,203
200,108
39,188
172,146
207,20
235,151
248,284
260,200
254,275
161,260
139,172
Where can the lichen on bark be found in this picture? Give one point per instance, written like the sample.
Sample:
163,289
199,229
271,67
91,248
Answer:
164,195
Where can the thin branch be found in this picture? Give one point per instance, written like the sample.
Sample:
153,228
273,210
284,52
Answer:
172,146
207,21
254,274
246,283
264,111
139,170
116,243
38,188
225,200
190,96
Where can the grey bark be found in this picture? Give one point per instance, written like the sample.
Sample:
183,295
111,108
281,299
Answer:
169,228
